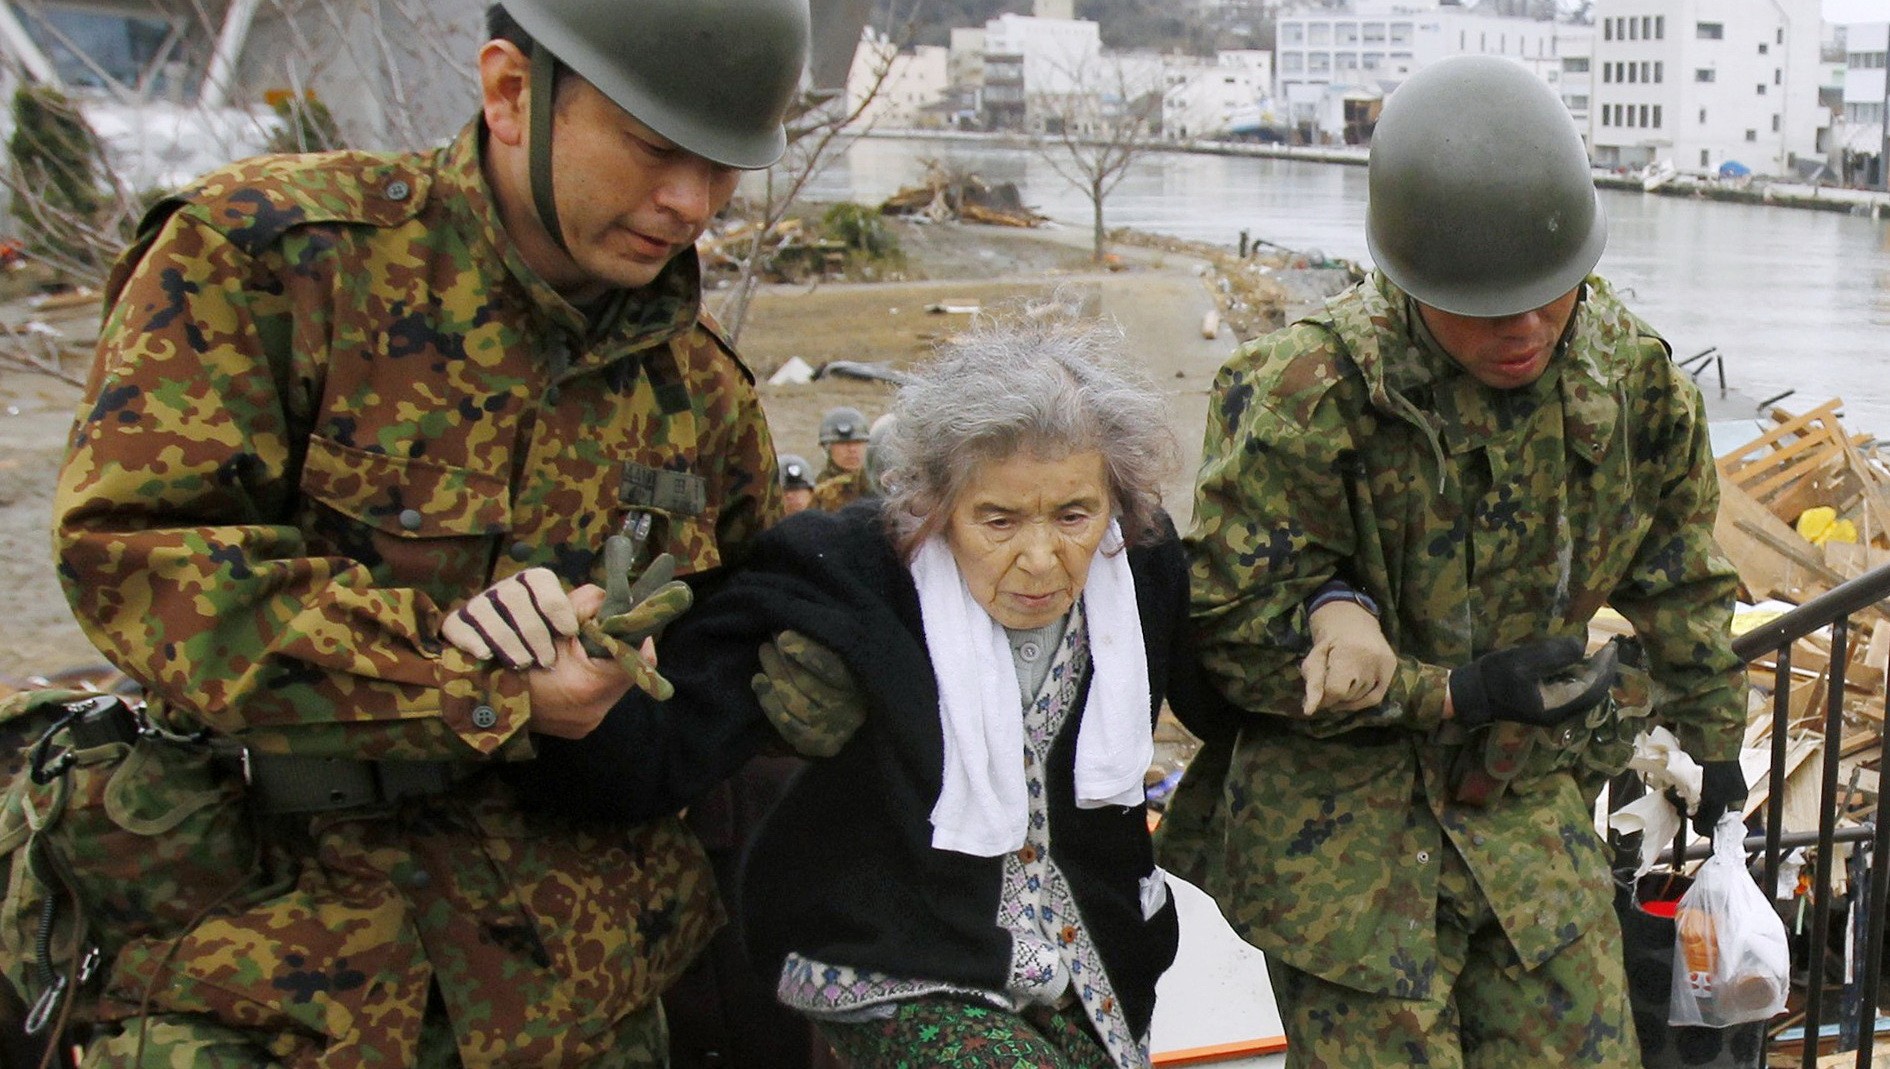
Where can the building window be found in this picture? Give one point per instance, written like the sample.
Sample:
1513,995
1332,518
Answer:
1702,116
1293,33
1775,124
1660,27
1705,74
1660,71
1575,64
1643,122
1607,29
1778,77
1345,33
1703,159
1647,27
1656,116
1780,32
1318,63
1318,33
1752,135
1633,30
1292,62
1373,32
1400,33
1764,48
1578,103
1761,88
1710,31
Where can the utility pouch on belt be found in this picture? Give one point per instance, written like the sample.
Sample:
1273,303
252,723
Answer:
1595,743
110,830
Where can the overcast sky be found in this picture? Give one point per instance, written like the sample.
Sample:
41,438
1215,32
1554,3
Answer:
1856,10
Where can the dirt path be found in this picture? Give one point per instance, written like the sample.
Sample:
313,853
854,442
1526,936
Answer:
1158,298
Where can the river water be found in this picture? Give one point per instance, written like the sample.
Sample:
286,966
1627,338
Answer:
1794,299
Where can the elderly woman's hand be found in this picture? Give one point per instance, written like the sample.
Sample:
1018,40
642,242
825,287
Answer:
1351,665
808,695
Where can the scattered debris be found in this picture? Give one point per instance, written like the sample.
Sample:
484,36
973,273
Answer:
793,372
943,195
858,369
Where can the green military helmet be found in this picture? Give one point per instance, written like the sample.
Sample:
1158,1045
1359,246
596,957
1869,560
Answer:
842,424
714,76
795,474
1481,199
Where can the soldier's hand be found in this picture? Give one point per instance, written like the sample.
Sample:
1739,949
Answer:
570,698
1541,683
516,621
808,695
1350,665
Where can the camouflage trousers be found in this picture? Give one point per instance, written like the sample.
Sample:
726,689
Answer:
1485,1010
181,1041
946,1033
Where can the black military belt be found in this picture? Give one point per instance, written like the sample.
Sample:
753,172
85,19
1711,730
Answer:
283,784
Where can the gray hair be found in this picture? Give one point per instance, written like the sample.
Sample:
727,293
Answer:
1041,383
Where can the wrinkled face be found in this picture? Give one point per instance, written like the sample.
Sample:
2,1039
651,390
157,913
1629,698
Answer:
847,456
1505,352
1024,531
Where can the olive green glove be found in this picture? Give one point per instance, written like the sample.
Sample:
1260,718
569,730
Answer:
632,613
1350,666
808,694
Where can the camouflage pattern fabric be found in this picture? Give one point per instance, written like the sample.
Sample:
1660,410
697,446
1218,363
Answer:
945,1033
330,403
1571,1011
835,493
1351,445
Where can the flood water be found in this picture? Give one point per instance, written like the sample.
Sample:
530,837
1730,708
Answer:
1794,299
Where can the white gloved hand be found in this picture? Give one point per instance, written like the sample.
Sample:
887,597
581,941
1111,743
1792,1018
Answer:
1350,665
516,621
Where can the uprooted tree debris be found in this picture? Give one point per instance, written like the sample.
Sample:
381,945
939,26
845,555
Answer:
944,195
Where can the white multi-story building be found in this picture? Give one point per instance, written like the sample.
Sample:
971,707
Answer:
1031,63
1210,97
911,93
1574,77
1866,48
1332,68
1706,83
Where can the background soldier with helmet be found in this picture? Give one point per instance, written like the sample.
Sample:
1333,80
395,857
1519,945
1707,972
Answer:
359,427
797,483
844,434
1486,442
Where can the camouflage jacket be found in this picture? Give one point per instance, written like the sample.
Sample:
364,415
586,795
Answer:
330,403
1351,445
839,491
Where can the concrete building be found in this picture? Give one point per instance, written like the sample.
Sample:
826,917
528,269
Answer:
1707,83
912,93
1859,146
1332,69
1032,65
1207,98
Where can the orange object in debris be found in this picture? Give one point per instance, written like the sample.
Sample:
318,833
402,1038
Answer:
1699,943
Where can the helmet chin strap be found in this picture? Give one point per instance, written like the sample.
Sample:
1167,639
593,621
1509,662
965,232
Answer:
539,153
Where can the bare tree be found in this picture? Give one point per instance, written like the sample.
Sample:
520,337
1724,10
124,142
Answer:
816,135
1106,118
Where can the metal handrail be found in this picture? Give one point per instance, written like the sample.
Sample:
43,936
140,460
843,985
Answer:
1832,609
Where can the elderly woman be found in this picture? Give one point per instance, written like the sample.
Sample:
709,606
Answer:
967,878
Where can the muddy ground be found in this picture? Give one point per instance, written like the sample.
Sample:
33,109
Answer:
1159,297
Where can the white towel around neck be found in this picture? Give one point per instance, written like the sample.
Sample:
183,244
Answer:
982,807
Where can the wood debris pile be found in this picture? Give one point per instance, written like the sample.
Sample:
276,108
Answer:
944,196
1803,508
792,250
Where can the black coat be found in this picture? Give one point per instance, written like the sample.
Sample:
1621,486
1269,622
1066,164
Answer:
843,870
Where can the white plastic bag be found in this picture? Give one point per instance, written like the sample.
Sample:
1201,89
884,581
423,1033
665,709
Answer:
1730,960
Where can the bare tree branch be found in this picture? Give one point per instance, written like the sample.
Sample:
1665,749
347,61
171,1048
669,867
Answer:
1092,133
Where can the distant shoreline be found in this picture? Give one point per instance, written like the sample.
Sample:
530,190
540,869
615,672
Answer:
1761,192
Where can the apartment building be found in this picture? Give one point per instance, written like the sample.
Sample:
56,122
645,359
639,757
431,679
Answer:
1707,83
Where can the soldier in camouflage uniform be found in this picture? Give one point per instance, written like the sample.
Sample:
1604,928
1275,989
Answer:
338,396
1484,441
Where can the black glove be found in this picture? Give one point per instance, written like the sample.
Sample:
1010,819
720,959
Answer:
1542,683
1722,788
